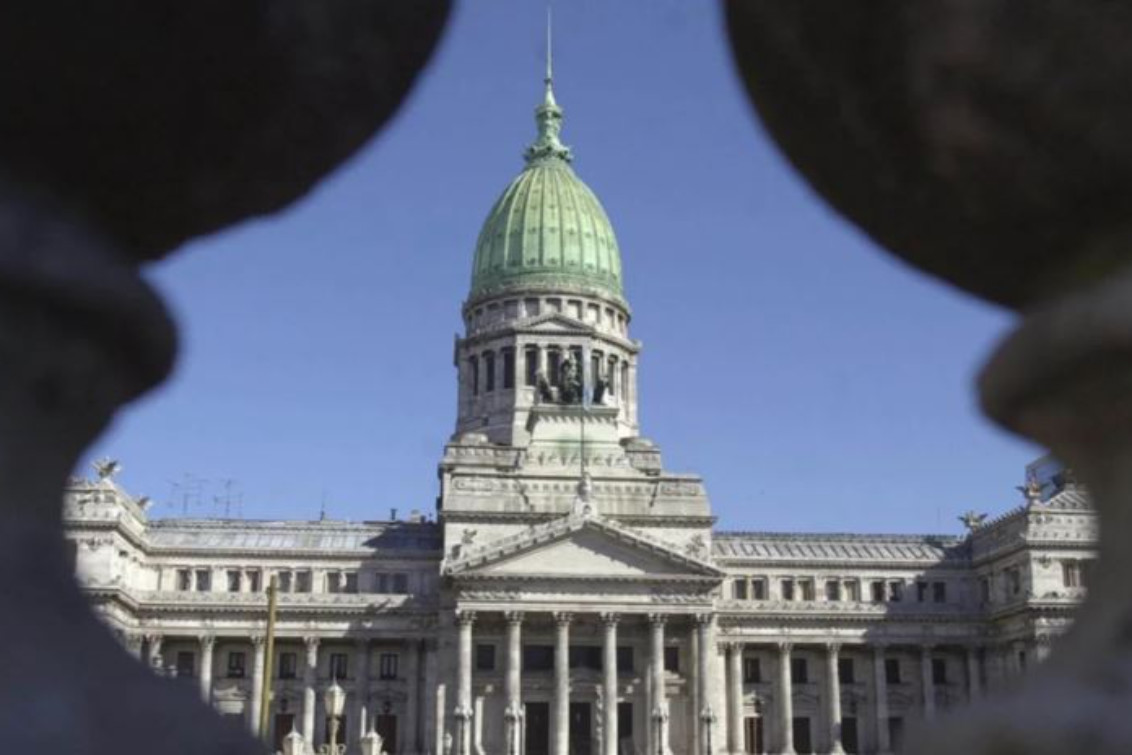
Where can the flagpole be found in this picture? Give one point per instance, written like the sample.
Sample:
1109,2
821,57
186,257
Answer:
269,666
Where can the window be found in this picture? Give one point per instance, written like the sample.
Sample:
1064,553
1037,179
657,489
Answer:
288,665
186,664
531,307
847,671
849,739
538,657
1014,580
284,581
575,309
530,356
802,740
508,368
625,659
892,670
488,371
788,589
474,371
739,589
984,590
255,580
204,580
400,584
625,721
485,657
752,671
511,309
877,589
896,591
595,366
807,588
235,580
758,589
939,671
939,592
896,734
585,657
339,666
333,582
184,580
921,592
1071,573
553,363
799,671
832,590
853,590
350,582
554,305
303,580
381,583
237,663
611,377
753,735
387,666
672,659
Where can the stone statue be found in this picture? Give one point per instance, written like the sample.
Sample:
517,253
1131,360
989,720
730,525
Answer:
570,383
1031,491
972,521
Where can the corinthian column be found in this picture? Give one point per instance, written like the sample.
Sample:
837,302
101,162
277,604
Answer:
309,672
513,682
207,645
704,626
735,696
659,703
258,643
833,696
609,674
562,684
785,699
464,620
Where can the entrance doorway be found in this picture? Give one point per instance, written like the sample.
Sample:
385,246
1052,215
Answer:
284,722
581,732
386,727
537,730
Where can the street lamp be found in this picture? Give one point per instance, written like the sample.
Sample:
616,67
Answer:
334,699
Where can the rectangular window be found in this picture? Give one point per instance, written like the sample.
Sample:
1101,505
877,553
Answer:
284,581
538,657
531,307
847,671
896,734
611,377
235,580
939,592
350,582
339,666
554,305
802,740
984,590
184,580
530,357
1014,580
303,580
485,657
892,670
625,721
806,587
752,671
186,664
921,592
387,666
511,309
832,590
488,371
204,580
381,583
939,671
853,591
753,735
896,591
288,665
672,659
333,582
255,580
474,371
788,589
799,671
625,659
400,584
849,738
877,589
739,589
237,663
758,589
508,369
585,657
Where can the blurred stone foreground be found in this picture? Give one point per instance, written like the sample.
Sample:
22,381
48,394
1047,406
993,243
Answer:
127,129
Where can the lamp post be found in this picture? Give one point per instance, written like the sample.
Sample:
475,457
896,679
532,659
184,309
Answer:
334,699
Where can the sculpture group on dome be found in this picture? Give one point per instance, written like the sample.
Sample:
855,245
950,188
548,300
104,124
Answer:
570,388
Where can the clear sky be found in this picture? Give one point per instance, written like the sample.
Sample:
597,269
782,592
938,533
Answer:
816,383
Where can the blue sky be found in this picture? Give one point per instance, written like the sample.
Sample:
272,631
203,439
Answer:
816,383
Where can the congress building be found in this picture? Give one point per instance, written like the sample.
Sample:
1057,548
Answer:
571,595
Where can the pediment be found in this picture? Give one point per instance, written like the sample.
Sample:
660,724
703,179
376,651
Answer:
577,547
556,322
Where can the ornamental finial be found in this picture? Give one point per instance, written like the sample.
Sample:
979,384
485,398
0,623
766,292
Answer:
548,115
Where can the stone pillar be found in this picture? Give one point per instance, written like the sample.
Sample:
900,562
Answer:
561,720
785,700
973,686
153,656
413,691
513,682
464,620
880,704
609,678
735,696
659,715
926,681
259,646
707,717
360,704
207,646
833,696
310,673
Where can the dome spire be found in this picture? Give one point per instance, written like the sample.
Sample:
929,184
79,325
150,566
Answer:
548,115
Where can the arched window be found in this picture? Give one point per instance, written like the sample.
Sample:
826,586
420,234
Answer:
489,371
508,368
474,369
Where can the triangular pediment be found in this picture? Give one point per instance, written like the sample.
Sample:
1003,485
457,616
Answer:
555,322
577,547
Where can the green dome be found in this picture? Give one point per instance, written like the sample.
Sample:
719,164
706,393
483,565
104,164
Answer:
548,231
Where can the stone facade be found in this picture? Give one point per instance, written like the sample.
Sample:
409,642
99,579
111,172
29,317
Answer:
572,596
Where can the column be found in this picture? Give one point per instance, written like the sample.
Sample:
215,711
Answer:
513,682
609,679
833,696
360,704
464,620
561,719
880,705
134,643
659,704
207,645
707,716
786,699
973,687
310,671
926,681
413,690
259,645
153,657
735,696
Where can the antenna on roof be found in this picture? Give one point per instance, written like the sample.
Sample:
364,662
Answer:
549,48
322,508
